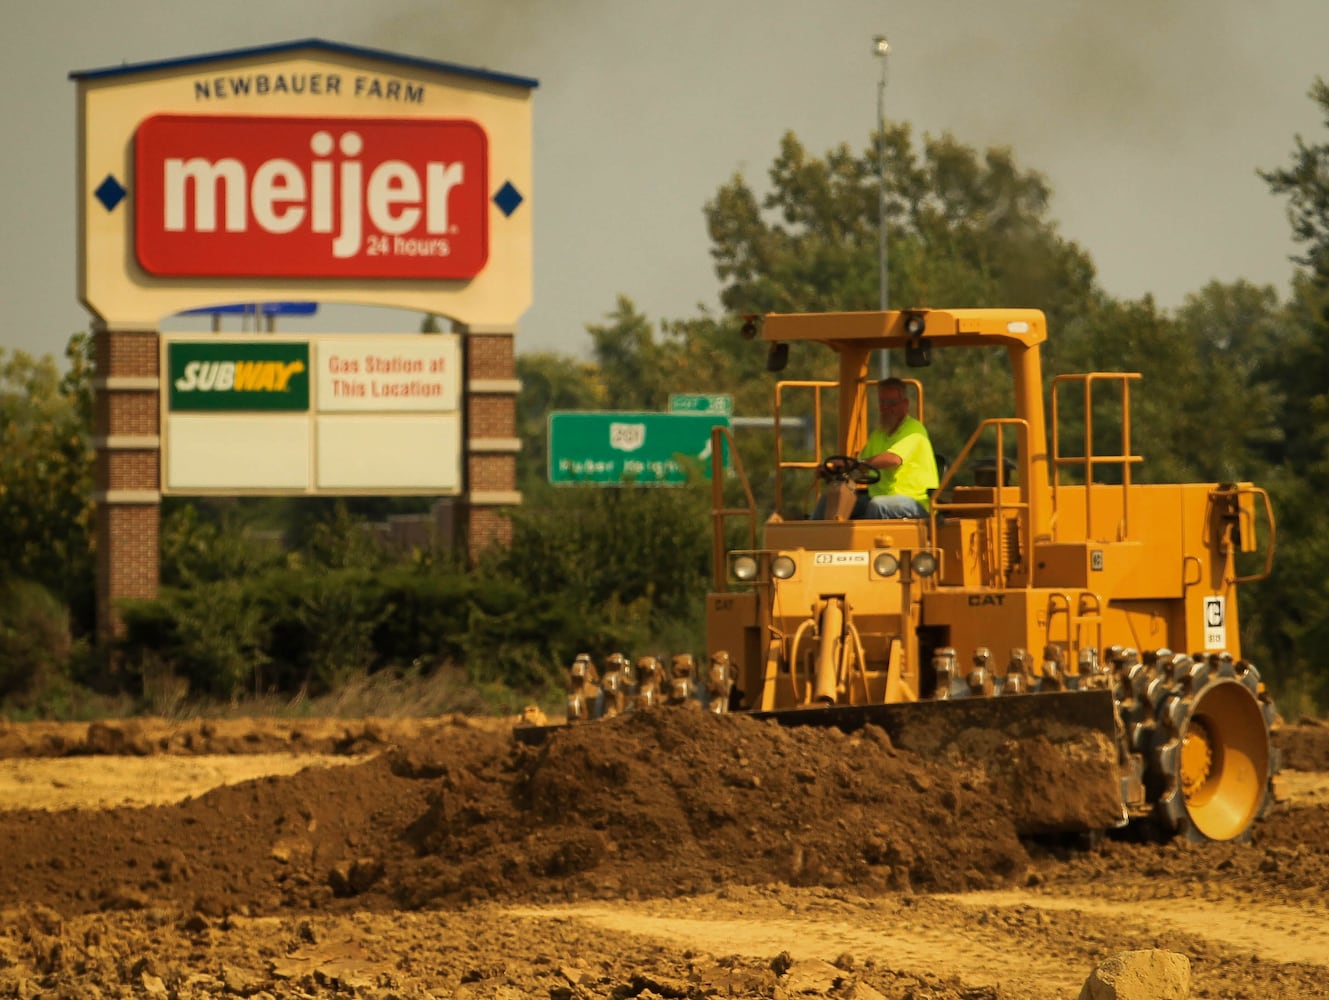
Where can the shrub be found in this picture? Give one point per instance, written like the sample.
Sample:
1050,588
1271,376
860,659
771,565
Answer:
35,643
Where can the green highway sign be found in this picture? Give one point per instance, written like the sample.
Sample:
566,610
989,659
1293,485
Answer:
616,449
701,402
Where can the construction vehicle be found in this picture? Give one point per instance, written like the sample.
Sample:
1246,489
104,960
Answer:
1047,594
1069,625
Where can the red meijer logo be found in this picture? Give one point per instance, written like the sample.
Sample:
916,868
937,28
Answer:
311,197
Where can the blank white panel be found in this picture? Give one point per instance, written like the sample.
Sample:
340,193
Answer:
259,452
389,452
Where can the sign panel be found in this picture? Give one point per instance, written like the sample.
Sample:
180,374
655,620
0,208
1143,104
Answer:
238,375
701,402
296,197
840,559
410,373
1215,623
416,453
613,448
257,309
333,413
238,453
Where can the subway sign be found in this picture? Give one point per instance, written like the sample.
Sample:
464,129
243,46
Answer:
238,376
297,197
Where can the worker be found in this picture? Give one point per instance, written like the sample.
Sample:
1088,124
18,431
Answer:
901,452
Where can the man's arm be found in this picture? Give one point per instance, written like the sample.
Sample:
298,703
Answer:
884,460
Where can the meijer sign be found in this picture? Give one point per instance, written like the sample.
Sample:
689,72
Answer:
304,171
310,197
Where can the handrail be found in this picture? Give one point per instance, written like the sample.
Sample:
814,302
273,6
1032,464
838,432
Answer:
780,464
999,504
1089,460
720,435
1273,532
1077,618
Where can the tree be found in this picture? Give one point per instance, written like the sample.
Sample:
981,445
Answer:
964,229
634,368
1306,183
1294,603
46,461
1238,332
549,382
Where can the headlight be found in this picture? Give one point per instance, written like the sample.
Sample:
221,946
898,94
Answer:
744,568
886,564
924,563
782,568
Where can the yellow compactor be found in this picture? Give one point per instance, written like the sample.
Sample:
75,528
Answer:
1048,596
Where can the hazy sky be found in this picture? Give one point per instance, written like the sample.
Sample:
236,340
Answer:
1150,120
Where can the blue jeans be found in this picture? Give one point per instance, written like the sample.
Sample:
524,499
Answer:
888,506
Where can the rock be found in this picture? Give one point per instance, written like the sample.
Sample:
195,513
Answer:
1140,975
241,981
810,976
488,989
292,850
351,878
531,715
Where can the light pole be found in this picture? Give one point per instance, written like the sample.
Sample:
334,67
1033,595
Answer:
881,49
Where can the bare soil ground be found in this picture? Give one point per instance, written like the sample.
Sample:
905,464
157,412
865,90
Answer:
671,854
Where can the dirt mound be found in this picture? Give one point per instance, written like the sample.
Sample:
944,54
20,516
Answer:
670,802
671,854
656,804
1304,746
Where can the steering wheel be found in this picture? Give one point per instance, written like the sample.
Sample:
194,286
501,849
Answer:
847,468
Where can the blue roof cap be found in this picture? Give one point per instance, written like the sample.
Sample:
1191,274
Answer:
307,43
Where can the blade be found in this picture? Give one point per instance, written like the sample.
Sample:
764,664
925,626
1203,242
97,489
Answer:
1052,758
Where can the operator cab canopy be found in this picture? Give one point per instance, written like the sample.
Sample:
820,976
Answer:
904,328
854,336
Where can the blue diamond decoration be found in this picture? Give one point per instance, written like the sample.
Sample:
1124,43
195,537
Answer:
507,198
110,193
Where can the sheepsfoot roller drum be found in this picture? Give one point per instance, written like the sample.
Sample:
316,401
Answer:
1203,727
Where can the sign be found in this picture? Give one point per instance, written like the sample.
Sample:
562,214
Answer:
693,402
238,376
297,197
376,374
304,171
840,559
257,309
616,449
327,414
1215,623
